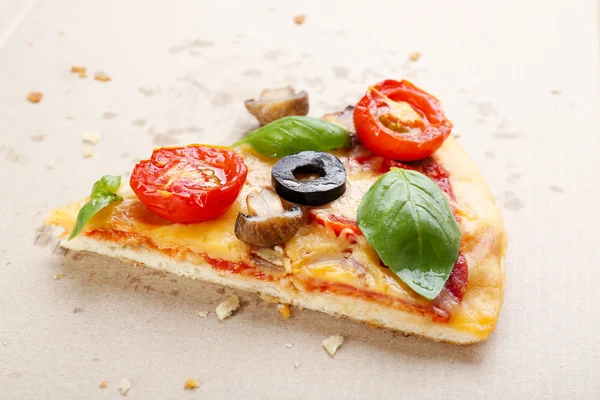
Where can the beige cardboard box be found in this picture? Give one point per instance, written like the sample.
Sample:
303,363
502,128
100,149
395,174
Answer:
518,78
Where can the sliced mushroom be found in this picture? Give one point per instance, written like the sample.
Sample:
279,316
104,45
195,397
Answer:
268,223
277,103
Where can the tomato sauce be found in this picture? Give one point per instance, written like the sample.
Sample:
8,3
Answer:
132,239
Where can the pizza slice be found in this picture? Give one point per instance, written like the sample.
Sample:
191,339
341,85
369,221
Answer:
374,213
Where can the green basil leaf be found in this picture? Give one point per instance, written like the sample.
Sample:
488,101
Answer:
108,184
292,135
103,193
406,217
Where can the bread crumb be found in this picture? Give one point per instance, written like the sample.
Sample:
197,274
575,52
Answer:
203,314
299,19
124,386
91,138
50,166
191,384
30,44
555,91
102,77
61,33
289,345
88,152
296,364
414,56
58,277
103,384
226,308
4,343
332,344
284,310
35,97
79,70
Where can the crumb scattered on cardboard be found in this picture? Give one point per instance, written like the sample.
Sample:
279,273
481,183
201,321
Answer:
91,138
299,19
284,310
296,364
88,152
50,166
203,314
35,97
332,344
103,384
124,386
555,91
289,345
61,33
191,384
81,71
102,77
30,44
58,277
4,343
77,310
226,308
415,56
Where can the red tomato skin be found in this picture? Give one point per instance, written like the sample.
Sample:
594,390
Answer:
187,201
398,146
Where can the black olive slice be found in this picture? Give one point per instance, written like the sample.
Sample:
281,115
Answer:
328,184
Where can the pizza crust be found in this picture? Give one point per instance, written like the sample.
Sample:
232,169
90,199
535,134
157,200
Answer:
336,305
484,240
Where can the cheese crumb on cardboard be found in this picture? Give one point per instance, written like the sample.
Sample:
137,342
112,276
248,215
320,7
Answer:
203,314
284,310
332,344
103,384
289,345
191,384
124,386
299,19
58,277
296,364
226,308
91,138
35,97
50,165
102,77
414,56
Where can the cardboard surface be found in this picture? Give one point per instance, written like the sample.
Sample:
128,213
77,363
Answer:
518,79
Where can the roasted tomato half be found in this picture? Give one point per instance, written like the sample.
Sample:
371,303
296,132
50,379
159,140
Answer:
191,183
399,121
